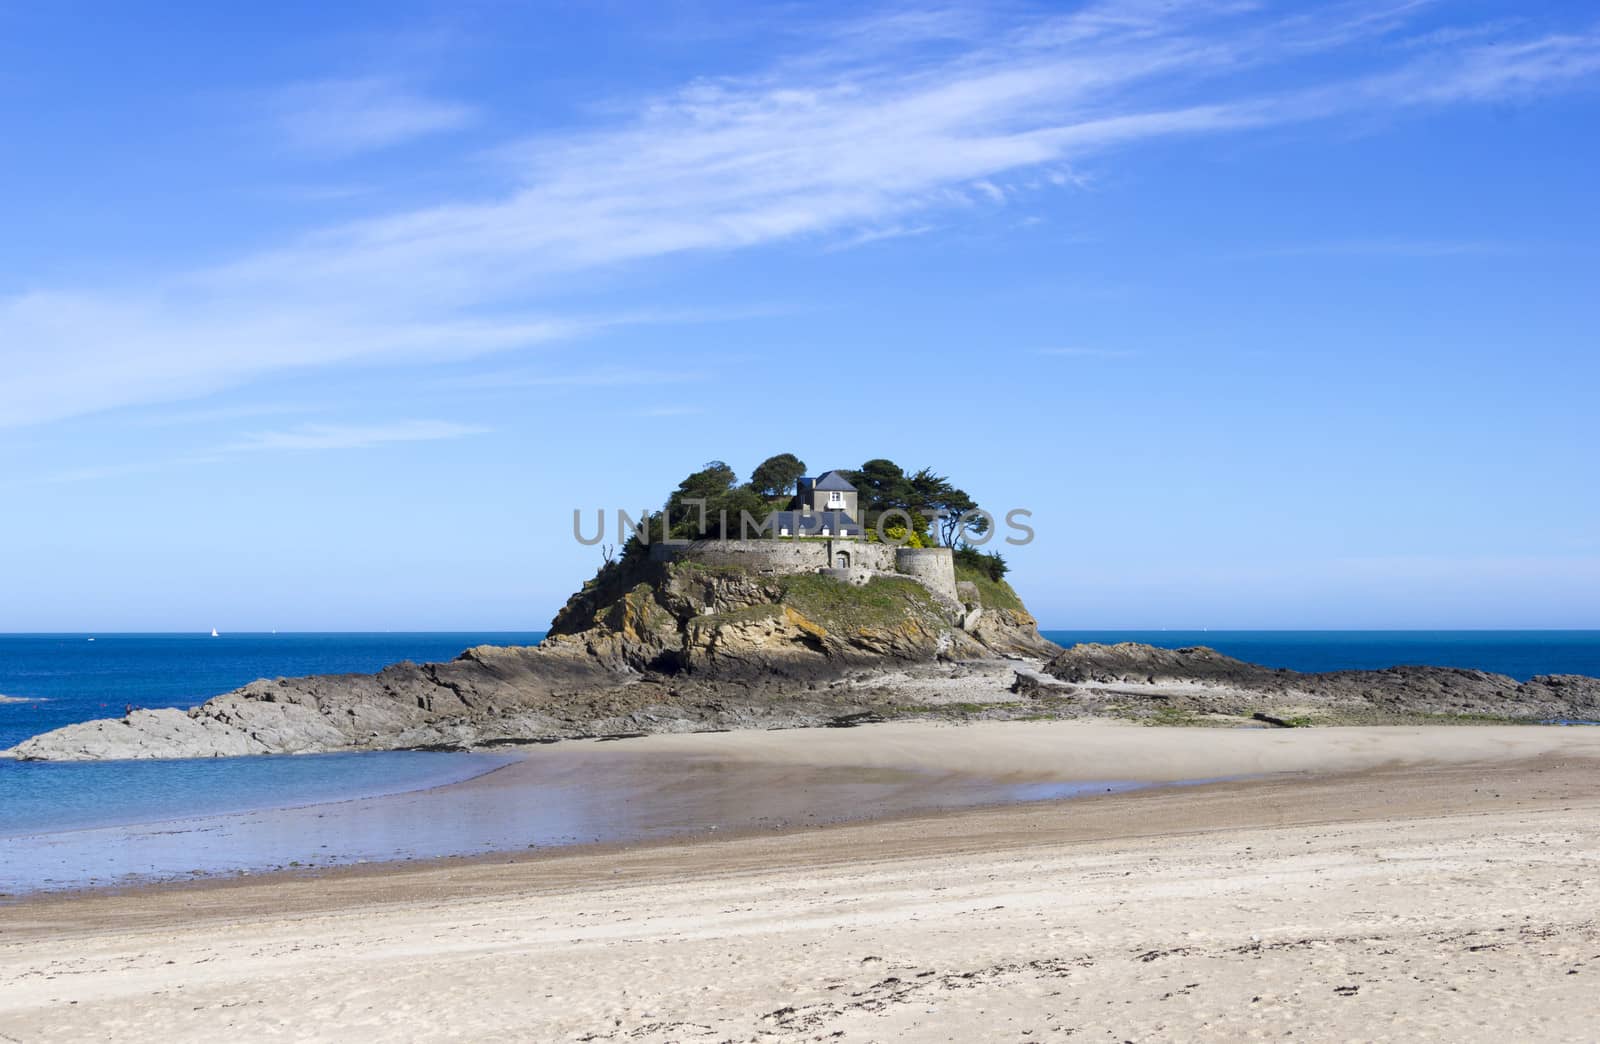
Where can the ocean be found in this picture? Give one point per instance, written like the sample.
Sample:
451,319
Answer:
53,680
78,677
50,680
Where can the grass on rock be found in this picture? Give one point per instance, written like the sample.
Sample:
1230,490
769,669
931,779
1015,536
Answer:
881,602
995,594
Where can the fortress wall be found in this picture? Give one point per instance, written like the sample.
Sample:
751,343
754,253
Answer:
761,556
779,556
876,558
934,566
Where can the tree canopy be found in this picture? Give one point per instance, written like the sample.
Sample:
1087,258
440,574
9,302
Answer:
928,497
775,477
716,486
940,512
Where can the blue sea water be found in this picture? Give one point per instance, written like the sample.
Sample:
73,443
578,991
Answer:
40,797
58,679
67,678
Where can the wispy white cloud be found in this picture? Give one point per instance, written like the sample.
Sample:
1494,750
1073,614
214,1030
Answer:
359,115
305,437
868,130
879,234
345,436
167,418
1455,34
331,192
68,354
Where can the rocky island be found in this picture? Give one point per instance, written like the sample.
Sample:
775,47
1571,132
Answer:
818,624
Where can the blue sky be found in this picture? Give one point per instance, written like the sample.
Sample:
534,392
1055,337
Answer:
1275,315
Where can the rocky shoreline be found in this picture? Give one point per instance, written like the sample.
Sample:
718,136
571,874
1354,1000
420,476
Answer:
1201,686
682,648
669,647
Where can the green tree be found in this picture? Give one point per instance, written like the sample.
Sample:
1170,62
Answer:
989,563
956,519
711,485
881,485
932,493
722,512
927,489
714,477
776,476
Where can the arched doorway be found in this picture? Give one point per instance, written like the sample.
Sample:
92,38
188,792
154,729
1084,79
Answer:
842,560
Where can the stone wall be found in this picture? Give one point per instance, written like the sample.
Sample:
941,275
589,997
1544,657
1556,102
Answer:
935,567
773,557
780,556
865,555
860,561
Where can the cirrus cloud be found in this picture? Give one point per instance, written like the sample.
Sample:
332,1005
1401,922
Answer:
362,114
872,129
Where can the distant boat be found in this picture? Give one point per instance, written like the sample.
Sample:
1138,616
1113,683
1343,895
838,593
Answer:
91,639
214,633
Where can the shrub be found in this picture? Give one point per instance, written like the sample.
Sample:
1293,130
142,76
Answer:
897,535
990,563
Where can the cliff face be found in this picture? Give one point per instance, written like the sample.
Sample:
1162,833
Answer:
658,647
722,620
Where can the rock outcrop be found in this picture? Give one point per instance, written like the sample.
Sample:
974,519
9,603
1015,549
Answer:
656,647
1133,680
676,647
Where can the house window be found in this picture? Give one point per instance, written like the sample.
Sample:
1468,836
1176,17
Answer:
825,531
784,531
835,499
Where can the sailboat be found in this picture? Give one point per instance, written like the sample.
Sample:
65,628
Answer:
214,633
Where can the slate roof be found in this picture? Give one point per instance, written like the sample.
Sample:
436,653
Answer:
837,523
830,480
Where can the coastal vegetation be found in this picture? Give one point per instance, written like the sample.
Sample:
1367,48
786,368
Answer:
768,635
882,602
993,591
711,501
887,497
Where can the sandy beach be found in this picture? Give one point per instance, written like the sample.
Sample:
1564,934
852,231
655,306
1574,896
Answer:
1430,882
717,523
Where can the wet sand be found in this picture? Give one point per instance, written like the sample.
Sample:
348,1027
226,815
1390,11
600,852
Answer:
592,794
651,788
1409,882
